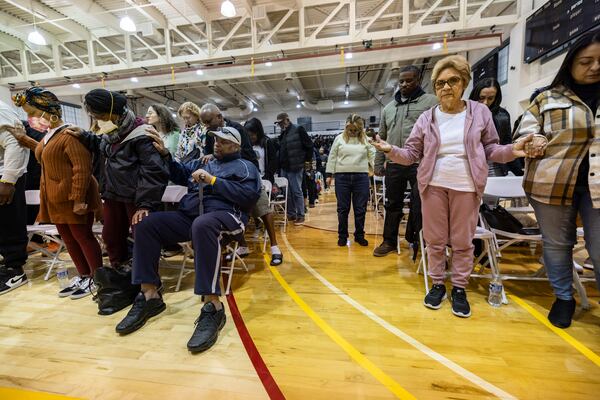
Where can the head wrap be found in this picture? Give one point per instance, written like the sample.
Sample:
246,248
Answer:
102,101
39,98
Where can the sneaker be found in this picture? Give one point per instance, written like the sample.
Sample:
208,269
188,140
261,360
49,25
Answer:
171,253
434,298
460,304
291,218
384,249
299,221
562,312
312,205
139,313
208,325
86,288
10,281
587,264
362,241
73,286
242,252
276,259
342,241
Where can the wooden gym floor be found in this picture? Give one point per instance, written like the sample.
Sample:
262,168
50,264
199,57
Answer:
330,323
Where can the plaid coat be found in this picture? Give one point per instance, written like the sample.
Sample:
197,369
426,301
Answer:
572,130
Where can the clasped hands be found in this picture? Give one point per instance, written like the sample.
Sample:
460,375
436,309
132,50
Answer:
530,146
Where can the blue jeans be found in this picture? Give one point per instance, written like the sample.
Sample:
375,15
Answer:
351,188
295,199
559,235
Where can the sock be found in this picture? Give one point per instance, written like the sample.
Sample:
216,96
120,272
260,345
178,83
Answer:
275,250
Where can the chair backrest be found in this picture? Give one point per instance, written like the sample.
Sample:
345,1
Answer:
268,187
174,193
505,187
281,181
32,197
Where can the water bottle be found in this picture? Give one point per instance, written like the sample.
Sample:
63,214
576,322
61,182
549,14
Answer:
62,274
495,297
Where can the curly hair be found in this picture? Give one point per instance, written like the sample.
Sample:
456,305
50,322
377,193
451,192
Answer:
457,62
190,107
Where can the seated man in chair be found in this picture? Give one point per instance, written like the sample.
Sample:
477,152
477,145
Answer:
231,187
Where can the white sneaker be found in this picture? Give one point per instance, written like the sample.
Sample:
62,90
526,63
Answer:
587,264
73,286
86,288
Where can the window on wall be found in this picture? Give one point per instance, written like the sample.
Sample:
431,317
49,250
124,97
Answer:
72,114
503,65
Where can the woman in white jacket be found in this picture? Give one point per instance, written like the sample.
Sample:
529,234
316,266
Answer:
351,160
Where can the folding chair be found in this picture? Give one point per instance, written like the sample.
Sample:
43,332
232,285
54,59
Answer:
268,188
46,231
511,187
379,195
281,204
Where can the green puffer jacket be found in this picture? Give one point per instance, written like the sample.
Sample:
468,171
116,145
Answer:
398,118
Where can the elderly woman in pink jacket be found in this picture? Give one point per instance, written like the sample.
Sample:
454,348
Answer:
453,142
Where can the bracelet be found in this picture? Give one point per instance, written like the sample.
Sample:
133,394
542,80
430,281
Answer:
10,183
213,180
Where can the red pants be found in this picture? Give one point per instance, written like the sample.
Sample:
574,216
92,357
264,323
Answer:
449,218
82,246
117,221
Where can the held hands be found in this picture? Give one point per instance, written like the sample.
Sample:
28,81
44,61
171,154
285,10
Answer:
158,143
139,216
329,181
202,176
381,145
531,146
7,192
80,208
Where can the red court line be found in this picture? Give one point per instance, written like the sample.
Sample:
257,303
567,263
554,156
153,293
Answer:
259,365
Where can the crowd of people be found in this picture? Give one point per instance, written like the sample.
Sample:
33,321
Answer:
444,147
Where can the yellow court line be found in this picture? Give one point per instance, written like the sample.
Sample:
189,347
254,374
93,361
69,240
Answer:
593,357
12,393
360,359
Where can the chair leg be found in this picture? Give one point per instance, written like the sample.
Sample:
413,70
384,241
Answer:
55,259
585,304
231,267
185,256
424,261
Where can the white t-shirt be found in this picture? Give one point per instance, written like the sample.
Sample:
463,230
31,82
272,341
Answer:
260,156
452,167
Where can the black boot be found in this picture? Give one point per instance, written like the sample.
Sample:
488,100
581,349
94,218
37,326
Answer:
562,312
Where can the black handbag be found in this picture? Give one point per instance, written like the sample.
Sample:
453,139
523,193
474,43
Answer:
115,290
499,218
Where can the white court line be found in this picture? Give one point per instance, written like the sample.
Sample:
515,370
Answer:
482,383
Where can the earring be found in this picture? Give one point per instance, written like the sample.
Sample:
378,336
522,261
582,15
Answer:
53,118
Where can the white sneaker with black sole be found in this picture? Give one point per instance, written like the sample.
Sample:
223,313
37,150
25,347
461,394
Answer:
11,283
85,289
73,286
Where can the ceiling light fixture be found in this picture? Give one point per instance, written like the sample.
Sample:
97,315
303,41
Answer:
298,105
199,72
436,46
127,24
269,64
34,36
134,79
346,102
348,56
255,109
228,9
76,85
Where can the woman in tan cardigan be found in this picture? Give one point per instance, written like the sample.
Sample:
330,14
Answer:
69,195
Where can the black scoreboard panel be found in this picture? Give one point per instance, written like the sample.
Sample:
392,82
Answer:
556,23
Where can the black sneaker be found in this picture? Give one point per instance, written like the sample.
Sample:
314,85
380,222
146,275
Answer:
362,241
460,304
11,280
139,313
562,312
208,325
434,298
342,241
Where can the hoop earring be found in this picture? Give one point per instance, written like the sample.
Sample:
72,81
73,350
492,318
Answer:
54,118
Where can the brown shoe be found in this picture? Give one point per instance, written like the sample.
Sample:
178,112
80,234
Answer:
384,249
299,221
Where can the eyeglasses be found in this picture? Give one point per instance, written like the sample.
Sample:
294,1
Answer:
440,83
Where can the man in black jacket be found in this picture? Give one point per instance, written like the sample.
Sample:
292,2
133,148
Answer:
295,154
230,187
